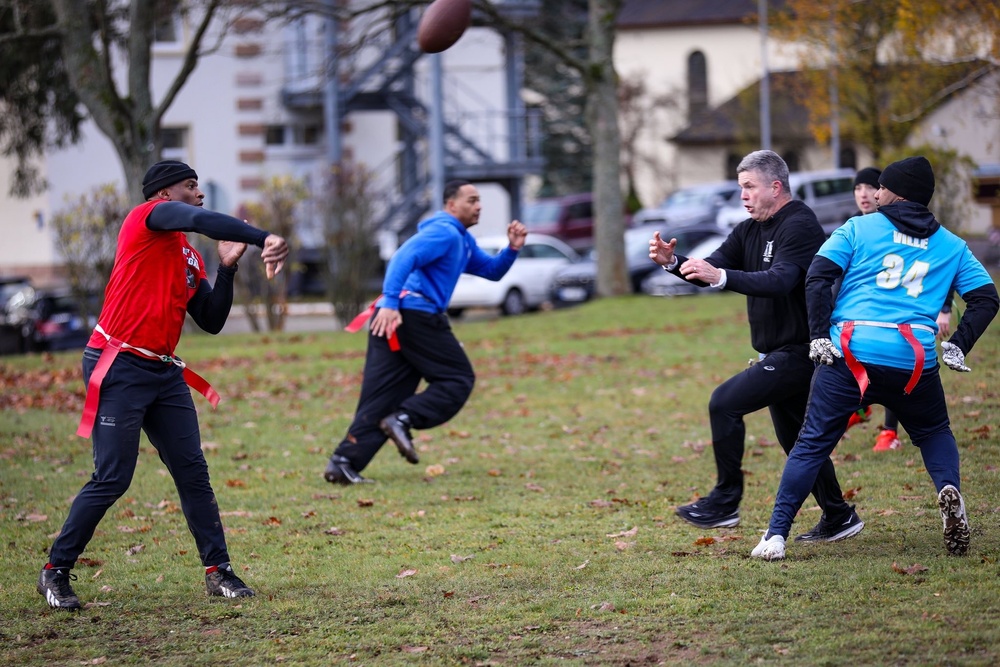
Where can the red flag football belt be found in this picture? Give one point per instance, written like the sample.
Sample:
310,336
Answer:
107,358
906,330
362,318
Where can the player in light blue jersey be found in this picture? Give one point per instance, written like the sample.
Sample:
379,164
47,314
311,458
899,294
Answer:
876,344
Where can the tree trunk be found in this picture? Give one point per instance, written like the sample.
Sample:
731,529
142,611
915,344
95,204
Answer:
602,119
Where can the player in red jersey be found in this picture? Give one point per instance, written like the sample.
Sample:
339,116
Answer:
136,383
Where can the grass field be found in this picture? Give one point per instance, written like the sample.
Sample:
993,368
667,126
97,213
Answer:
538,528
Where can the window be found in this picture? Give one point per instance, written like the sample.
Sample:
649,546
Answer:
174,141
305,135
167,22
697,81
274,135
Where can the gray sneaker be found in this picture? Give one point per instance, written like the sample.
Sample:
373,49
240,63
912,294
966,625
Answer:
53,584
956,523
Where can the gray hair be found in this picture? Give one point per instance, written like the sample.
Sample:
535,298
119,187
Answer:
769,164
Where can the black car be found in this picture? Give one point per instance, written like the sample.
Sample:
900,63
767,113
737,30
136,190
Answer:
577,282
44,320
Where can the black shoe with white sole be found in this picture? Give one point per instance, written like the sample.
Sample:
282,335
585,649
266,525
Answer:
53,584
834,531
706,515
224,582
340,471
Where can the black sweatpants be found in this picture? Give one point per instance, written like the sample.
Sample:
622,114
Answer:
140,394
779,382
428,351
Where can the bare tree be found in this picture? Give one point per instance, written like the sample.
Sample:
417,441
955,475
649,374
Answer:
276,211
86,236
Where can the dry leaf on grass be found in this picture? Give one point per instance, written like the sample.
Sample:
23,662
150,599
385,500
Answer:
406,573
435,470
631,532
460,559
916,568
622,546
133,550
415,649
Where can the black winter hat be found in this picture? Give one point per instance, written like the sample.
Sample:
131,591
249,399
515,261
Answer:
911,178
163,175
867,176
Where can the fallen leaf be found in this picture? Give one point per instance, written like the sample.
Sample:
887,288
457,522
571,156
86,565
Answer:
582,565
531,486
622,546
435,470
415,649
133,550
493,472
406,573
604,606
89,562
365,502
631,532
601,503
272,521
916,568
333,530
704,541
36,518
850,493
235,483
460,559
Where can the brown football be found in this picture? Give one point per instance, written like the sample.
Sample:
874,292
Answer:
442,23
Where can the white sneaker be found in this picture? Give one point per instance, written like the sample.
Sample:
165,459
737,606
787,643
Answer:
770,548
956,523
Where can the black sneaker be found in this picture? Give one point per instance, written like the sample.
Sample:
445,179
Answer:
53,584
340,471
397,427
956,522
705,515
224,582
833,531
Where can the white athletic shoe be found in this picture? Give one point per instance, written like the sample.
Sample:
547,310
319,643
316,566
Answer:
770,548
956,523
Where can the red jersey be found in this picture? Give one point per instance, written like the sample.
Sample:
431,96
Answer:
154,276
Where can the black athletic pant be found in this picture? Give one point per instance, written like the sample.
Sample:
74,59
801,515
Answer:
779,382
140,394
428,351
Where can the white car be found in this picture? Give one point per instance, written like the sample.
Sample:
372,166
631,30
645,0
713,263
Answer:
525,286
661,283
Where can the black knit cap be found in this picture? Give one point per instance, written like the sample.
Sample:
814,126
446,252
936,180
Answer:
163,175
912,179
867,176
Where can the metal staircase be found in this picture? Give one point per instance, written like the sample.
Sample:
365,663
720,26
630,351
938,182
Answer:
483,145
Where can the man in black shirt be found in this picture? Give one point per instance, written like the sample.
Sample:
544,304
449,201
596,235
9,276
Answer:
766,258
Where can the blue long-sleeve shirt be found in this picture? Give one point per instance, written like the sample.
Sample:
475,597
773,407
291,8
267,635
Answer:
429,263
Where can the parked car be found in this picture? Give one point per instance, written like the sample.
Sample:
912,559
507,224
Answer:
830,194
49,320
661,283
16,293
693,205
524,287
569,219
578,282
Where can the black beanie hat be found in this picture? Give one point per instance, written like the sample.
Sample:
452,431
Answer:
163,175
912,179
867,176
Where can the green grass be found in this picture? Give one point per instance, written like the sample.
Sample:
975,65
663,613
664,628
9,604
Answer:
549,539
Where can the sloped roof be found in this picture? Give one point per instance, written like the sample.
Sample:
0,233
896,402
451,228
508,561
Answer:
639,14
738,118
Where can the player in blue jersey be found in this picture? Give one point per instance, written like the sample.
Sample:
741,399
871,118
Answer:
876,343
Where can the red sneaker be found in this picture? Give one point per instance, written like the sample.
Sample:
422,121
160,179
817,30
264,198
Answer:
886,440
860,416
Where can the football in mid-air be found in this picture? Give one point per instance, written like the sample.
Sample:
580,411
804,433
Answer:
442,24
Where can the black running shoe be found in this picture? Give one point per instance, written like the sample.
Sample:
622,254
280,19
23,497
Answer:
705,515
833,531
224,582
340,471
53,584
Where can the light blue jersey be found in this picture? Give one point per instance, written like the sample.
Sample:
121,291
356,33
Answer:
893,278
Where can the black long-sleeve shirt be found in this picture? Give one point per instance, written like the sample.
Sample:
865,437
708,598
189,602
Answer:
767,261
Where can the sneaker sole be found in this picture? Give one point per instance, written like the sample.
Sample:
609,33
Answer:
850,531
725,523
955,521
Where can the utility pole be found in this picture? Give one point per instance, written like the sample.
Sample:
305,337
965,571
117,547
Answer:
765,80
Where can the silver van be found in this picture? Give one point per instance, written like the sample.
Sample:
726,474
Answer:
829,193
